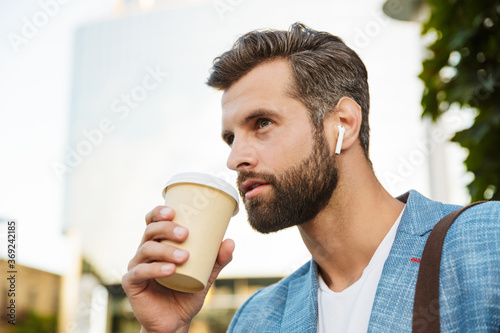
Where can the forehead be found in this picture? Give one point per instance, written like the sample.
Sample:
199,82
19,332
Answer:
265,87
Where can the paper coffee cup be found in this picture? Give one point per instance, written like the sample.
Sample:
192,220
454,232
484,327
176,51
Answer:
203,204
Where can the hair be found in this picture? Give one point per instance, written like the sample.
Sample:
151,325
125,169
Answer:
324,69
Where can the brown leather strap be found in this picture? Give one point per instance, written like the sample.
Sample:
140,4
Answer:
426,305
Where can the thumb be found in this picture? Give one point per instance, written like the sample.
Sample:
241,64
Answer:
224,257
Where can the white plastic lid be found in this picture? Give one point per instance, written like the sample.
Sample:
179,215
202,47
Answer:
207,180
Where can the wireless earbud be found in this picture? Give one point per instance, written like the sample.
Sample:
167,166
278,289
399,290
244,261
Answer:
340,139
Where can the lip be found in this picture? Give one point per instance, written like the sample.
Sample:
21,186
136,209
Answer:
249,189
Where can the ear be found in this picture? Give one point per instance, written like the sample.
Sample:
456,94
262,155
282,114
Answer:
348,114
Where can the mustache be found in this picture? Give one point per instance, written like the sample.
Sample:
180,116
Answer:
244,175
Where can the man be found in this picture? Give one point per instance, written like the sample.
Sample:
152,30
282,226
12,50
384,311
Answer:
295,114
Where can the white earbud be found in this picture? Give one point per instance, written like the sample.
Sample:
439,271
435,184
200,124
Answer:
340,139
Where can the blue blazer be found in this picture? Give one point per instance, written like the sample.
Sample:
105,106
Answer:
469,293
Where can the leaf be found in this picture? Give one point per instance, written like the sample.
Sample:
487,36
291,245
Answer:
473,29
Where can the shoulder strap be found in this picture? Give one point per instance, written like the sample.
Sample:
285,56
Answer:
426,305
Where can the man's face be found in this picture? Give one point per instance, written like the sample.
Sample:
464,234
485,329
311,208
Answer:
286,172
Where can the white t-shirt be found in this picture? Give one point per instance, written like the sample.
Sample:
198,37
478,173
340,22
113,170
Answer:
349,310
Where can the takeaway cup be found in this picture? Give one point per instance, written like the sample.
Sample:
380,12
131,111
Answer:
203,204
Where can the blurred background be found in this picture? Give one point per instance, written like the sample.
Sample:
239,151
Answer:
103,101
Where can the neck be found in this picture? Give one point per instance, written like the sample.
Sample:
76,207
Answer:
343,237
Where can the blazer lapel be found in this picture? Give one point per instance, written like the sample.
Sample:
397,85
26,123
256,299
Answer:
301,310
393,306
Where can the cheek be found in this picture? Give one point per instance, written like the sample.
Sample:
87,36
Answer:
290,150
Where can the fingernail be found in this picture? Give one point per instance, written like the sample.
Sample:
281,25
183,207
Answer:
180,254
165,211
180,231
167,268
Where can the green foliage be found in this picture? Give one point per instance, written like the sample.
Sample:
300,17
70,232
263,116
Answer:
33,322
463,68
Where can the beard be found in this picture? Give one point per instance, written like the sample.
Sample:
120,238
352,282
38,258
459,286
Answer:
299,192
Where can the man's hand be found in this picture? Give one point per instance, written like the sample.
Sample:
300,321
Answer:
156,307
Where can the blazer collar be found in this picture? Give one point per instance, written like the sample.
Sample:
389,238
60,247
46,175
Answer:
393,306
420,214
419,217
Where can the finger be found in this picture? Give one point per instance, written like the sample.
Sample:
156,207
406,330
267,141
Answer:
164,231
224,257
225,252
160,213
153,251
140,275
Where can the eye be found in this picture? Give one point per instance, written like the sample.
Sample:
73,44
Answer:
229,140
261,123
227,137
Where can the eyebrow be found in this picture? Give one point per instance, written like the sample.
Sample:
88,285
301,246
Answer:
258,113
255,114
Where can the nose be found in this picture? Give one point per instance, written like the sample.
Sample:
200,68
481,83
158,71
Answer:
242,156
